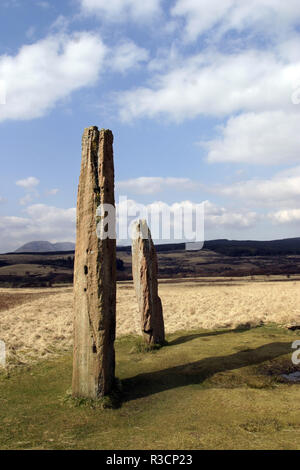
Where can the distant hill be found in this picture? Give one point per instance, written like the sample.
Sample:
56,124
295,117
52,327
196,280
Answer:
41,264
64,246
45,247
288,246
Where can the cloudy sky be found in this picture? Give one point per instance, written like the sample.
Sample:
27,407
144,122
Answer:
203,98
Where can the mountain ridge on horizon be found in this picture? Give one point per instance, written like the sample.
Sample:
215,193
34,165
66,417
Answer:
223,245
45,247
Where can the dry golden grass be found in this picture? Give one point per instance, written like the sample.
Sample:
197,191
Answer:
40,325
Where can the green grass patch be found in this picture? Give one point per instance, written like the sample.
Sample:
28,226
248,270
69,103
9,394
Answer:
140,346
205,390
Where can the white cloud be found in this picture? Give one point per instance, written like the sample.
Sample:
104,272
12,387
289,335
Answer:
281,189
60,24
2,92
52,192
216,216
28,183
43,73
258,138
286,216
40,222
267,17
200,15
25,200
127,55
152,185
47,216
215,84
122,10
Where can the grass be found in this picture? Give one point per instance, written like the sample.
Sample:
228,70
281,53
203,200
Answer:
205,390
10,300
140,346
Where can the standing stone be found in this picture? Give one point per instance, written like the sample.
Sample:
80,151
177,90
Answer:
94,272
144,270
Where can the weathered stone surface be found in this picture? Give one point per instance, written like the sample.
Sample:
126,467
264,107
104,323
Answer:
95,272
144,270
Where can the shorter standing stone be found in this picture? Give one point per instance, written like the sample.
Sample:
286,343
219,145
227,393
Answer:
144,270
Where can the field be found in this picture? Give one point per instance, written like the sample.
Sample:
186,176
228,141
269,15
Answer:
205,390
217,385
54,268
36,323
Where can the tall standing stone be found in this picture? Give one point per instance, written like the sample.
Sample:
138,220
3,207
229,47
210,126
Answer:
95,272
144,270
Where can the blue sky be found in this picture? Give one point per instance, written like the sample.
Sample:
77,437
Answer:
202,98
